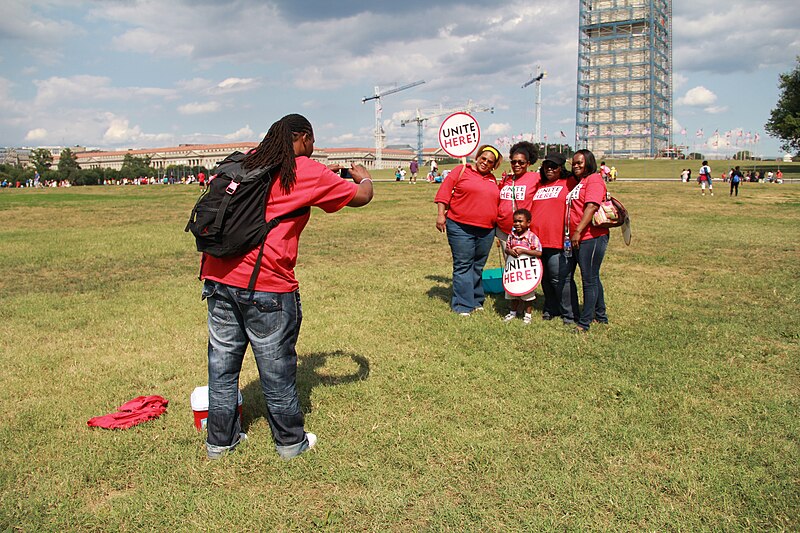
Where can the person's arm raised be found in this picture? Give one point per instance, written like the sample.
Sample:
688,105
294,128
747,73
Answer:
362,177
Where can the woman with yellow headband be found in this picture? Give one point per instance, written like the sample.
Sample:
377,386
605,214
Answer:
467,202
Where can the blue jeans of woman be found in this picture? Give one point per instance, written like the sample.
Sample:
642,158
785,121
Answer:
269,322
470,246
590,258
560,292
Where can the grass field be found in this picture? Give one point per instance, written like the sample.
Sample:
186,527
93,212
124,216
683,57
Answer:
682,414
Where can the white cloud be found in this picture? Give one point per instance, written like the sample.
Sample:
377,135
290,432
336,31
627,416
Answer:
196,108
230,85
56,90
346,139
497,129
697,97
707,36
242,134
36,135
119,131
678,81
716,109
151,42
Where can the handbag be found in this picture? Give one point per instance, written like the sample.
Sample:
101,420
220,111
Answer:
610,214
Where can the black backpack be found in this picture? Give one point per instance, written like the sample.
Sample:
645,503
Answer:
228,218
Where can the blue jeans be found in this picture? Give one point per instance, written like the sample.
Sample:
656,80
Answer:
590,258
470,246
270,323
560,292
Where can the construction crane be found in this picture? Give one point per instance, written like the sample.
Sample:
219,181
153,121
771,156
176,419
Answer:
540,75
379,134
423,115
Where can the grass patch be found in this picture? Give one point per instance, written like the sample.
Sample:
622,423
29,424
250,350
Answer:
680,414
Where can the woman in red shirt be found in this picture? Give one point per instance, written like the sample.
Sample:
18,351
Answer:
467,203
516,189
589,242
549,209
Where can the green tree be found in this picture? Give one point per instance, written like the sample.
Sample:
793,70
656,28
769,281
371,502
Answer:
67,162
42,159
784,120
134,167
91,176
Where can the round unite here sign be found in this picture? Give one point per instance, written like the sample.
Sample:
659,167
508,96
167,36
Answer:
522,274
459,135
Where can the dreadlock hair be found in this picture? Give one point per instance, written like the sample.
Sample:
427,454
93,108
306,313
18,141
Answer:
276,150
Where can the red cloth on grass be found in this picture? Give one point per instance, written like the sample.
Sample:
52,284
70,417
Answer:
136,411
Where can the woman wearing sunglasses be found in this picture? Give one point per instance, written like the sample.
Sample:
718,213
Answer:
516,189
549,209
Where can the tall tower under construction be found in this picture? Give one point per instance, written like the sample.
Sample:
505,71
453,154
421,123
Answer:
624,100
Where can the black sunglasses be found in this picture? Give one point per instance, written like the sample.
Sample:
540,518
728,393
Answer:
518,162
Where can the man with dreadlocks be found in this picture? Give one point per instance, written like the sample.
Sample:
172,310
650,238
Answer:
269,317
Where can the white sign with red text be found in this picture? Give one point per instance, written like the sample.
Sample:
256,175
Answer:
522,274
459,135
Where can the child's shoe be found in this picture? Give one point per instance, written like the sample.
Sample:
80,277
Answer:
527,318
510,316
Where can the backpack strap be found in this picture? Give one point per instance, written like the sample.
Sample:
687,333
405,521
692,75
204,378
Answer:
270,226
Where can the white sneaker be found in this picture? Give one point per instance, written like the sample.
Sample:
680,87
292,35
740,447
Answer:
527,318
510,316
479,308
312,440
463,314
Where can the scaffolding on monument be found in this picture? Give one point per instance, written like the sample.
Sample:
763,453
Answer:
624,90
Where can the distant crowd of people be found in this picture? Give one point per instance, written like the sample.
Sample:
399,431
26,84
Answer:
169,179
734,177
33,183
754,176
38,183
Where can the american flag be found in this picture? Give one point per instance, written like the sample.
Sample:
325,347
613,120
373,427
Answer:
699,133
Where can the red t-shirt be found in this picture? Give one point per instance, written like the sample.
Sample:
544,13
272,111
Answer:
521,191
590,189
474,201
317,186
549,209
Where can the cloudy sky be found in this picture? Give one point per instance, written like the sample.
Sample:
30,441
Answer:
146,73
